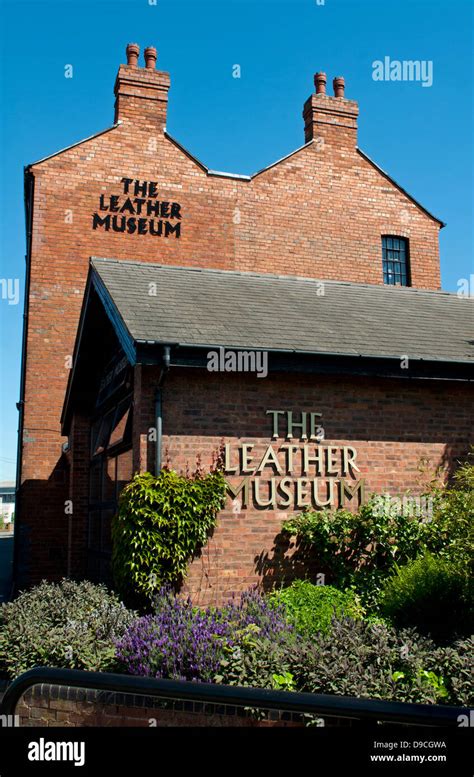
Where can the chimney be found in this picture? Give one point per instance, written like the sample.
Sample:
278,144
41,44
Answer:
332,119
141,93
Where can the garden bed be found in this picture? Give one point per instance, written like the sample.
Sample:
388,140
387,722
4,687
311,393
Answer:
392,622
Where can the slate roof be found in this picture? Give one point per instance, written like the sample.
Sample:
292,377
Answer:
202,307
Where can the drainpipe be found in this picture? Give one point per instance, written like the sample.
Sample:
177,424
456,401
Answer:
159,407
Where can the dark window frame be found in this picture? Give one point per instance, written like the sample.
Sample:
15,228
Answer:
102,505
396,260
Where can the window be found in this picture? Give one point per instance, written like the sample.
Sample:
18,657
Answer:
395,261
111,468
113,428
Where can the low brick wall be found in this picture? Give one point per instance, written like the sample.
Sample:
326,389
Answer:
53,705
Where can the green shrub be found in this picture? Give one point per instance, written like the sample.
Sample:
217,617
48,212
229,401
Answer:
68,625
364,660
255,662
359,549
431,594
161,523
450,533
464,475
356,658
310,608
455,664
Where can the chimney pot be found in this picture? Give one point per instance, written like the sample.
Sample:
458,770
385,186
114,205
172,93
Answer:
320,83
133,50
334,119
150,57
141,93
339,86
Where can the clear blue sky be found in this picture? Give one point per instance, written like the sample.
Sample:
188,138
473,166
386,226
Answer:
421,136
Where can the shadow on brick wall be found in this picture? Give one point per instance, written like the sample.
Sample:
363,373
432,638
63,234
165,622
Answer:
286,561
41,529
453,456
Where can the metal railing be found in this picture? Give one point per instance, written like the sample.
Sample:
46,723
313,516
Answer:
287,701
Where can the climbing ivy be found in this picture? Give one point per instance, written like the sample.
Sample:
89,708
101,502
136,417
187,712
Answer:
160,524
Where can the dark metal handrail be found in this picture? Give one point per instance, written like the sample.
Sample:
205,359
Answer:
291,701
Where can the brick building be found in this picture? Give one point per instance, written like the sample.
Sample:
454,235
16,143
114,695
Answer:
313,287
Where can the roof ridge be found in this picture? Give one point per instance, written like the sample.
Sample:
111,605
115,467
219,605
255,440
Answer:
249,178
73,145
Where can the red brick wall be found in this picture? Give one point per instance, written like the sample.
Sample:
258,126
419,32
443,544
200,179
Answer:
62,706
402,431
319,213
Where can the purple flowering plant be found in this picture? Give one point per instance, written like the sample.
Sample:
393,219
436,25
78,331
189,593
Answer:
184,642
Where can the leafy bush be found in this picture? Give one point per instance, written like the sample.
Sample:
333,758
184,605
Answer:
180,641
256,662
68,624
359,549
259,613
376,661
450,533
455,663
356,658
161,523
431,594
310,608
